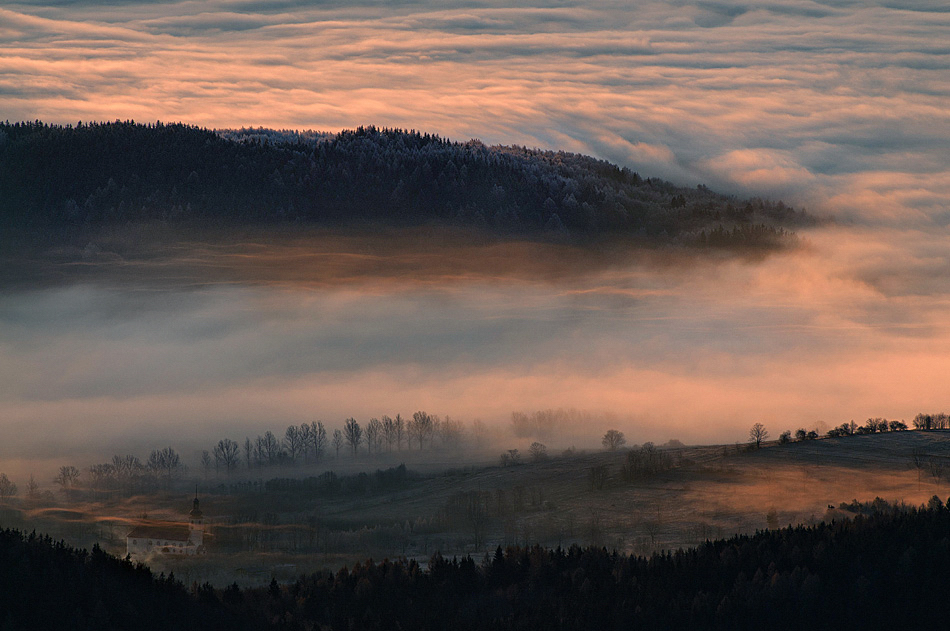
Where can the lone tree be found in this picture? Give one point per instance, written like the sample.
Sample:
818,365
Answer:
538,451
757,434
613,440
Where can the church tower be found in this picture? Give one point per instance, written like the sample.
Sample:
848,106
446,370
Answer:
196,524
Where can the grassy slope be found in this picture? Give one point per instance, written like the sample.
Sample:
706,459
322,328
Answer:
714,491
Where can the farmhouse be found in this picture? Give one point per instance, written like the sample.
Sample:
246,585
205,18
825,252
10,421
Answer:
165,537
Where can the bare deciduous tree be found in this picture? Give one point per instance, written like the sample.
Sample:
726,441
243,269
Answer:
318,438
757,434
337,441
389,432
67,479
538,451
293,442
450,433
32,489
102,475
479,433
248,452
267,449
374,435
400,424
165,463
226,453
420,427
128,469
353,434
207,462
613,440
510,457
7,488
919,459
935,466
306,440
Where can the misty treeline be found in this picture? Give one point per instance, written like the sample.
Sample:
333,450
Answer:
307,444
545,424
880,568
60,178
123,473
313,443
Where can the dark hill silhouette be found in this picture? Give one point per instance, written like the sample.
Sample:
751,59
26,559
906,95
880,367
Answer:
46,585
888,567
57,179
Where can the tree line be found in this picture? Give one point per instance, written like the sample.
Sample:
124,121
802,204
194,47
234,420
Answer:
310,443
61,178
879,568
878,425
300,445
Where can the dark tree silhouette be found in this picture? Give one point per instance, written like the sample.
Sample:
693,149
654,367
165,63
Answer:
7,488
613,440
338,441
757,434
55,179
353,434
226,454
420,427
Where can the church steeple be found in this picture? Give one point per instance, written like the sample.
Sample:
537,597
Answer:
196,523
195,511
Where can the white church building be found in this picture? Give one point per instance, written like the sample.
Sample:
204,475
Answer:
167,537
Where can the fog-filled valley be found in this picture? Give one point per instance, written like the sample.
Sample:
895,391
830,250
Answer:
185,342
146,339
562,315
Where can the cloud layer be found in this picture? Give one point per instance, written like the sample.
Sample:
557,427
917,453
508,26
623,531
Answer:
838,105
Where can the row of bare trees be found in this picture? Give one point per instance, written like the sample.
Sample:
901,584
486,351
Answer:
124,473
312,442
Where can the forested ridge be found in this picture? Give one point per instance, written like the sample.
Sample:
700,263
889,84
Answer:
887,567
45,584
57,179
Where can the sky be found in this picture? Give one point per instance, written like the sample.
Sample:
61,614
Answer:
839,107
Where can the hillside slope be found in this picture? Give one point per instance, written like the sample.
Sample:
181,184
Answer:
56,179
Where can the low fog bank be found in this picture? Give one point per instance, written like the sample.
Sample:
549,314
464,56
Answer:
659,344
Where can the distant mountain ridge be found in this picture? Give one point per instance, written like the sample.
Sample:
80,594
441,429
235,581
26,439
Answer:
60,177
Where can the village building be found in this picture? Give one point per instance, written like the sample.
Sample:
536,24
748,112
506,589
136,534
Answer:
167,537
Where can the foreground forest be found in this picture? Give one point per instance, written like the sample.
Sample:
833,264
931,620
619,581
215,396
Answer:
59,180
884,566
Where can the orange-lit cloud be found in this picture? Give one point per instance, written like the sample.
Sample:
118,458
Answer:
785,98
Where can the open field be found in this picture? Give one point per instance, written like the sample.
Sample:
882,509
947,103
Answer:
292,521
